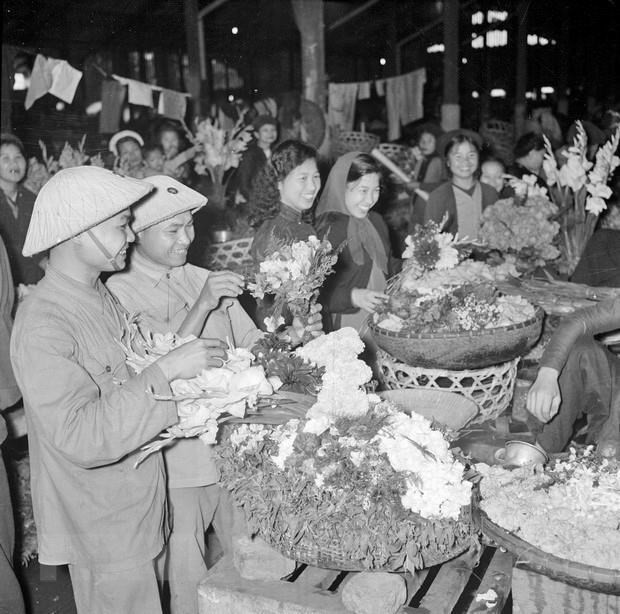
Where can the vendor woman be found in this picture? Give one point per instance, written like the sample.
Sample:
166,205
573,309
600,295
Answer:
577,376
87,414
283,195
344,217
463,197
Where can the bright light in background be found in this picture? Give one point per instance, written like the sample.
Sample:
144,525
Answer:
93,108
542,41
60,106
497,38
382,61
532,39
498,92
436,48
464,61
126,114
477,19
475,94
231,98
149,56
235,30
477,43
497,16
530,95
21,82
546,89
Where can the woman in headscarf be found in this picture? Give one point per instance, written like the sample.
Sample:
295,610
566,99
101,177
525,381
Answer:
343,215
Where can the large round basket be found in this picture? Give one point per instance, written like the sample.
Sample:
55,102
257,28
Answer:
464,350
529,557
344,142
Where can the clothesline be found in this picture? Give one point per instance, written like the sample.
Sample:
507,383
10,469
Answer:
403,93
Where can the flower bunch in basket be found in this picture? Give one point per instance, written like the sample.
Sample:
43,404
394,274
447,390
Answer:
377,484
219,150
39,173
204,401
579,189
524,228
292,275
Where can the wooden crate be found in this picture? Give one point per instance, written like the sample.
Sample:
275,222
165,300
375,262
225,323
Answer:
534,593
442,589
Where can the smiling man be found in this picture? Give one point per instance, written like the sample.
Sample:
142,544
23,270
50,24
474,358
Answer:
86,414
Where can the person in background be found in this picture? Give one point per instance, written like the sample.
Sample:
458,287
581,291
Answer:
429,171
492,171
154,159
463,197
578,376
529,153
257,153
344,216
283,194
87,415
11,600
176,154
16,203
127,145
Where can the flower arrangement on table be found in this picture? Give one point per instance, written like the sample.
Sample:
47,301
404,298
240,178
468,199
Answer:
439,290
569,510
522,228
579,189
204,401
219,150
293,275
358,476
39,173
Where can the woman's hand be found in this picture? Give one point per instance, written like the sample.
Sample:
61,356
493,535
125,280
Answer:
220,284
543,398
191,358
313,326
370,300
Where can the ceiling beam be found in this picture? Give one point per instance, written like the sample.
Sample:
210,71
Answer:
210,8
350,15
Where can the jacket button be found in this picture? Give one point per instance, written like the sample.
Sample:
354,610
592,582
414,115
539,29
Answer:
108,368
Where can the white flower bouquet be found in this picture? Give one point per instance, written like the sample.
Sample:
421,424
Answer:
293,275
204,401
579,189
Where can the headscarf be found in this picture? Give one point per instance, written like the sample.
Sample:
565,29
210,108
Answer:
361,234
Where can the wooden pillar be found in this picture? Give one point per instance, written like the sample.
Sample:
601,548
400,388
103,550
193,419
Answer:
521,83
562,63
309,19
193,53
450,109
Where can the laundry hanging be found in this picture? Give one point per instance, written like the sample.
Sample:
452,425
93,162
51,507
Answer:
341,107
138,93
172,104
50,75
404,100
113,95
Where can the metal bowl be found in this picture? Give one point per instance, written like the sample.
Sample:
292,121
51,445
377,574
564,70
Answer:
221,235
520,453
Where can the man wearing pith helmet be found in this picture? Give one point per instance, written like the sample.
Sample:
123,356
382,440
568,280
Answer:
86,413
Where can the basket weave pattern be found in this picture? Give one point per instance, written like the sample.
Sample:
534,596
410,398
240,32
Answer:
529,557
344,142
491,388
233,255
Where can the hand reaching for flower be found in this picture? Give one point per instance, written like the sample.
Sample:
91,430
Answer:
543,398
300,329
220,284
370,300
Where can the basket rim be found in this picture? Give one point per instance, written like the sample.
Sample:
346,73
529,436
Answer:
538,316
571,572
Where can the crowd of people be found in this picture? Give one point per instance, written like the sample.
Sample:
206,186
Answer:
100,244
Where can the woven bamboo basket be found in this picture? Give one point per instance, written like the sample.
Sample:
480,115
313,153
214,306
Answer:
332,554
234,255
344,142
529,557
460,350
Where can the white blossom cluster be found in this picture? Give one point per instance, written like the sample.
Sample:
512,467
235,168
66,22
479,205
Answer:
435,486
341,392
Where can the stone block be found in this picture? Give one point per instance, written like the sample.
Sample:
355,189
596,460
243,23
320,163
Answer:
369,593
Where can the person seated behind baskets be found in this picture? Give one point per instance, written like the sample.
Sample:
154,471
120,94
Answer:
578,376
357,287
463,197
94,510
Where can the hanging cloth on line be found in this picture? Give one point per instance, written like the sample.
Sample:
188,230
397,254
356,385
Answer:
404,100
56,77
341,107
